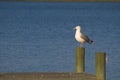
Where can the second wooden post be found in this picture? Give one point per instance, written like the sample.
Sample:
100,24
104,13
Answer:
100,65
80,59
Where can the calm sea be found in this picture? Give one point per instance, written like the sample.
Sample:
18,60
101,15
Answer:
39,37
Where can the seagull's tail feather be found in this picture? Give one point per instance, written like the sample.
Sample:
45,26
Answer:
90,41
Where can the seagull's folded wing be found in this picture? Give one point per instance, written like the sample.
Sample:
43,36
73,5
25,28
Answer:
86,38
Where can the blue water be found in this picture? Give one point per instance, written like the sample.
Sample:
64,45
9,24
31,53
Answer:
39,37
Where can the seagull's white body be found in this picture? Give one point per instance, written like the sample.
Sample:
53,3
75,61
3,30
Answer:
82,38
77,36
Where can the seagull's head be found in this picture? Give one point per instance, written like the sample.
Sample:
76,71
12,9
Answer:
76,28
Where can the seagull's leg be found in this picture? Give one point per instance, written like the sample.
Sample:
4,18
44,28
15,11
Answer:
81,45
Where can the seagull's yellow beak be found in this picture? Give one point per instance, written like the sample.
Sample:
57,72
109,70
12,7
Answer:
74,28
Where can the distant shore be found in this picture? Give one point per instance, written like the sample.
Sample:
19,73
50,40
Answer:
64,0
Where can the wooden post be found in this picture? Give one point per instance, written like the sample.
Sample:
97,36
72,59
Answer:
100,65
80,62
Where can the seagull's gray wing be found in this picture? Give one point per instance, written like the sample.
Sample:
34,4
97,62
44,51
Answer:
86,38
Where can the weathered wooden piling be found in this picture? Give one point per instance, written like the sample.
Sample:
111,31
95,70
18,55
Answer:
100,65
80,59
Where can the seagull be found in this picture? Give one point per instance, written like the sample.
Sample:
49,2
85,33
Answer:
80,37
